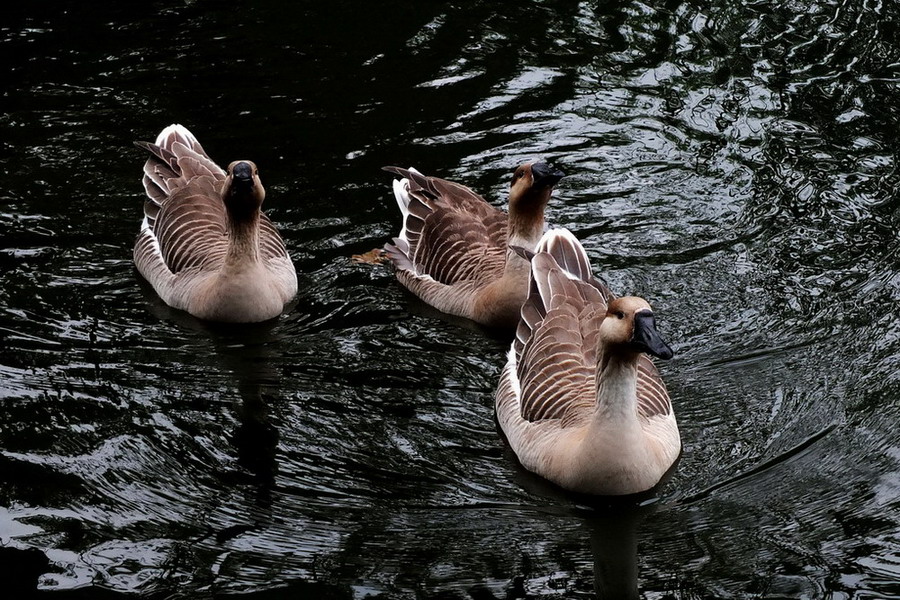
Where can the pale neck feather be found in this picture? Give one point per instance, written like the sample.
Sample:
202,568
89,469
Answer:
243,241
525,230
616,392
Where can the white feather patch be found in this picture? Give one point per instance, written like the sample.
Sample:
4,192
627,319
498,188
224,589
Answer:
512,373
401,193
179,132
154,243
561,236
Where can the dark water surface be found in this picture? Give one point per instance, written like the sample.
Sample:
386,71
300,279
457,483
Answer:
735,163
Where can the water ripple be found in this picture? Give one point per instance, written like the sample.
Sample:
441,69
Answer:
733,163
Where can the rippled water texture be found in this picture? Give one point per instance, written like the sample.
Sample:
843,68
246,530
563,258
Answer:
735,163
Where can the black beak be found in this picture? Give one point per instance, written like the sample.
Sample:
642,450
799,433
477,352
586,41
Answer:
544,175
646,338
242,174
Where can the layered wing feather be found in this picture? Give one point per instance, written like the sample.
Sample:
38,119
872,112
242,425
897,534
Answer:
185,218
556,340
186,236
450,233
271,245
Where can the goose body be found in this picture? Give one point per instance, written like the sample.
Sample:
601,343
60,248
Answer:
453,250
205,246
579,400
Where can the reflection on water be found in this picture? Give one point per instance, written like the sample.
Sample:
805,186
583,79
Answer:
734,163
614,544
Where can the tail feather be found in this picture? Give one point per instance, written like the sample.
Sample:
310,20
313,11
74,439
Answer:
398,255
173,147
415,181
401,194
403,173
178,140
413,213
179,133
541,266
165,156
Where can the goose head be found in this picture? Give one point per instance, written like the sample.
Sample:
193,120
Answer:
531,186
630,328
243,192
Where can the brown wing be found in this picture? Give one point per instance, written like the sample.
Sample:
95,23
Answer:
556,340
176,158
568,255
184,208
190,227
555,328
556,350
452,234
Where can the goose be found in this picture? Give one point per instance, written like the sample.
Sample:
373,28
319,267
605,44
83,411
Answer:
204,245
579,401
453,250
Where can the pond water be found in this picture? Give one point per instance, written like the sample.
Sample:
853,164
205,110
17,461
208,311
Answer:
733,162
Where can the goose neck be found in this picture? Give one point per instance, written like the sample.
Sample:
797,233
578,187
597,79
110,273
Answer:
525,230
243,235
617,388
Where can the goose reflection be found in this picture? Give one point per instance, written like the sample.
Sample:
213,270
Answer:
613,535
611,524
246,352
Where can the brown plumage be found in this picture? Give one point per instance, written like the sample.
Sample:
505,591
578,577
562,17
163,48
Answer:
579,400
204,245
453,250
